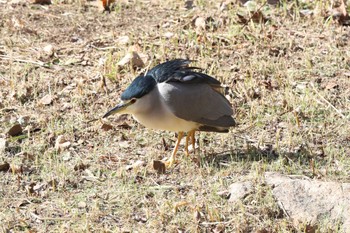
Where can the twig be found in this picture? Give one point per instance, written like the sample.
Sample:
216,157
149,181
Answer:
48,218
39,63
283,209
217,223
331,105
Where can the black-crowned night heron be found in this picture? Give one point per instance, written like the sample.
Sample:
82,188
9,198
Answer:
173,96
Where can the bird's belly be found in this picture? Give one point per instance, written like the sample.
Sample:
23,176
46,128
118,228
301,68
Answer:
165,121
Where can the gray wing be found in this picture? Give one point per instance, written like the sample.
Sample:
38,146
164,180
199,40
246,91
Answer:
198,102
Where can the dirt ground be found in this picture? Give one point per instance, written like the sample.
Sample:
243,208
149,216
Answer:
286,71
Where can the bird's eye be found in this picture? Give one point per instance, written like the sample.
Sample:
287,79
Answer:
132,101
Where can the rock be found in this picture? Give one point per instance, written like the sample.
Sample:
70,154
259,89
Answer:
240,190
15,130
200,23
309,201
49,50
131,58
46,100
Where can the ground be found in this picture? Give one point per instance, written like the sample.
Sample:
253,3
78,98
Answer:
286,71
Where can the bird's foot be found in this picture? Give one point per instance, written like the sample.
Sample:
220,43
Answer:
170,162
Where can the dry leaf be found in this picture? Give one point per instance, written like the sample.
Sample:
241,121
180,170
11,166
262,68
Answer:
46,100
220,228
330,85
15,130
81,167
42,2
159,166
123,40
137,164
61,143
106,127
4,167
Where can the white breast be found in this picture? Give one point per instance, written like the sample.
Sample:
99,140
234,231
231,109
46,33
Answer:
152,112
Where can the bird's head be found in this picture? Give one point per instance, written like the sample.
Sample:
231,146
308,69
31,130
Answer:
139,87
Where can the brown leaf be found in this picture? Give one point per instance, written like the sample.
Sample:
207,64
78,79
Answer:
159,166
220,228
106,127
4,167
330,85
42,2
81,167
15,130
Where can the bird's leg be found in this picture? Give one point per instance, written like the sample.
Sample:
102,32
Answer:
171,160
186,145
190,135
193,141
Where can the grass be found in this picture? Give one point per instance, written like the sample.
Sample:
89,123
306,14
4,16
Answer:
287,79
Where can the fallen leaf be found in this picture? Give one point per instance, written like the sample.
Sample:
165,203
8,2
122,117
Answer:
106,127
15,130
4,167
123,40
61,143
220,228
41,2
81,167
330,85
137,164
46,100
16,169
159,166
180,204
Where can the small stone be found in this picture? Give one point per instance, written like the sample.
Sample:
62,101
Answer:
240,190
46,100
49,50
133,59
82,204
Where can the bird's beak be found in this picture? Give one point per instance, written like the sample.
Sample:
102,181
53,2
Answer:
119,108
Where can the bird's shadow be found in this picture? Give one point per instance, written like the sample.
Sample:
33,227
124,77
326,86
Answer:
253,153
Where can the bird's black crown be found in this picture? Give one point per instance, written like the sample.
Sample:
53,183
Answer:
139,87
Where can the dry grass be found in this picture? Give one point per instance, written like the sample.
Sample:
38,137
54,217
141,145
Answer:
288,80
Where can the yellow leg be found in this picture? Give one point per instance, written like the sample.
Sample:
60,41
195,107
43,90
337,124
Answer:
190,135
171,160
186,145
193,141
